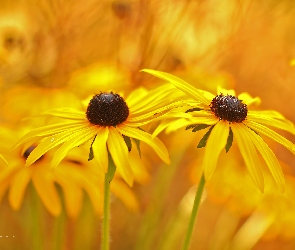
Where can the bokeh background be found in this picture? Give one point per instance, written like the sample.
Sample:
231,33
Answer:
55,53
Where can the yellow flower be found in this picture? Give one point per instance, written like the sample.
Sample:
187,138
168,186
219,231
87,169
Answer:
226,116
72,176
110,123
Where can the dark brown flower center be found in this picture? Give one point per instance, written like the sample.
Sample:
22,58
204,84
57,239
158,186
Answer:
229,108
107,109
29,151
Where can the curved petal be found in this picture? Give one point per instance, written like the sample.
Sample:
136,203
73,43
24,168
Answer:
119,153
215,143
48,130
249,154
18,187
248,99
135,96
80,137
269,157
47,192
271,118
100,148
51,142
271,134
155,143
183,86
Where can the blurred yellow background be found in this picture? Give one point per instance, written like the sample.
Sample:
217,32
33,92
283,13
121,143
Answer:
55,53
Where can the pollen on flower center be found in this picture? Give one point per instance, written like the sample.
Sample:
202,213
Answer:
229,108
107,109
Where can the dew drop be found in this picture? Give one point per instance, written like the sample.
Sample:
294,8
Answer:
52,140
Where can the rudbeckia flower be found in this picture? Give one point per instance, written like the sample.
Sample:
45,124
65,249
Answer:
73,178
226,116
111,123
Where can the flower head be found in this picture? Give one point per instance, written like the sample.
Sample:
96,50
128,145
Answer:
227,116
111,123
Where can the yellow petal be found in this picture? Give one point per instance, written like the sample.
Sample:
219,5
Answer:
155,143
3,160
48,130
67,113
47,192
18,187
125,194
271,134
215,143
269,157
199,95
249,154
271,118
119,153
100,148
80,137
51,142
248,99
73,195
135,96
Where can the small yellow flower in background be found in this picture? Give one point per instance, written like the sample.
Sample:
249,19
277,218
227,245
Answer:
225,117
110,123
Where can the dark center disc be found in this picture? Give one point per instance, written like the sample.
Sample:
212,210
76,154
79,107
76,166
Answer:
107,109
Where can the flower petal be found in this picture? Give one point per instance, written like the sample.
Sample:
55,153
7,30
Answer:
269,157
248,99
249,154
199,95
100,148
51,142
119,153
271,134
80,137
47,192
271,118
18,186
67,113
73,195
155,143
215,143
48,130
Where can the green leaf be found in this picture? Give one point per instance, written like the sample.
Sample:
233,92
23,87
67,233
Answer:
91,154
137,142
127,142
111,168
190,126
203,141
192,110
200,127
229,140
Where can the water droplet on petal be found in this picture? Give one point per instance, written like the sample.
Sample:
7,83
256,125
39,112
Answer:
52,140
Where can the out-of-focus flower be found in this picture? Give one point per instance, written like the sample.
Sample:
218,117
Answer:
103,76
109,123
28,100
226,116
72,176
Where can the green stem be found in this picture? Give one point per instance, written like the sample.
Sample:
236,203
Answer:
36,227
194,213
107,205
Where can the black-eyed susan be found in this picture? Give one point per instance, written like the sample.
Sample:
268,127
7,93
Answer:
72,176
109,122
225,117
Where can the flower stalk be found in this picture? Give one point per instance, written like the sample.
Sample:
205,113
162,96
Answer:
107,204
194,213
